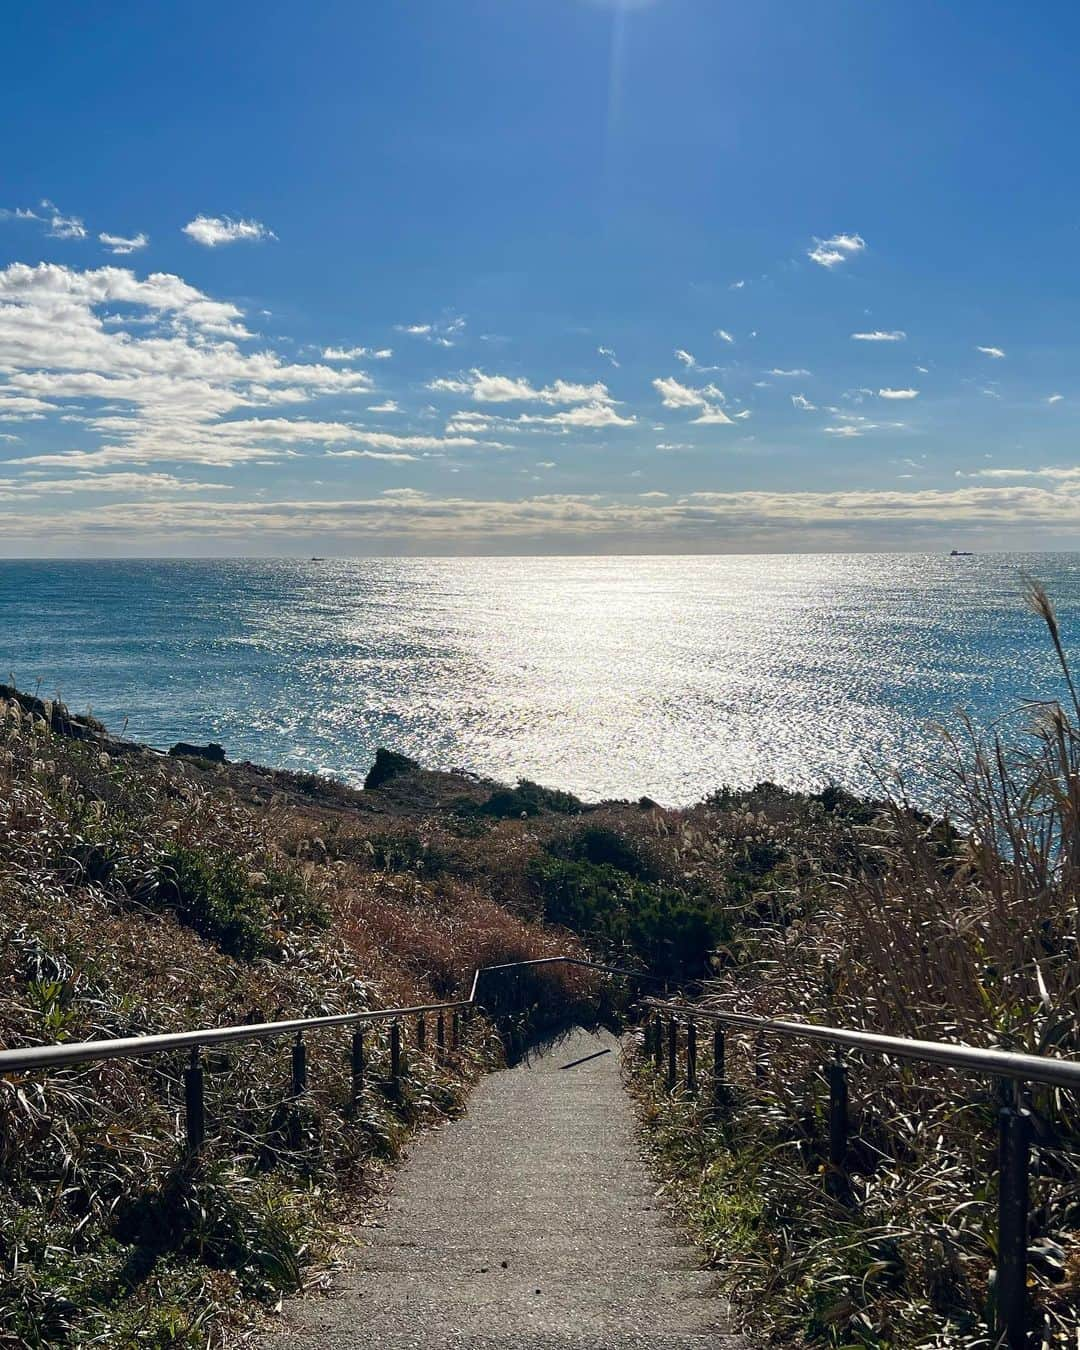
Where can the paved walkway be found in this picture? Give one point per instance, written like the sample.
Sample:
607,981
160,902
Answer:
531,1224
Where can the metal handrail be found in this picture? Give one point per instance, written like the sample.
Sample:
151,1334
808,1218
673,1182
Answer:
1001,1063
137,1047
1014,1119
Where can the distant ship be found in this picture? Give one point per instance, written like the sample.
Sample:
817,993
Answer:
961,553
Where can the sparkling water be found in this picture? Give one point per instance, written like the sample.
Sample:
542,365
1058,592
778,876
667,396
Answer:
609,677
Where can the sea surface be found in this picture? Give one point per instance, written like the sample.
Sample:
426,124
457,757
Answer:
609,677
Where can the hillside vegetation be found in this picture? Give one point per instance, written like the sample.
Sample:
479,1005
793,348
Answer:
146,893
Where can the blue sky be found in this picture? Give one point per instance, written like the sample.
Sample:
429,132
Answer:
538,275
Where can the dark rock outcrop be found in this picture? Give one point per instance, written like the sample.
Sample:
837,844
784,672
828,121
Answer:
389,764
212,751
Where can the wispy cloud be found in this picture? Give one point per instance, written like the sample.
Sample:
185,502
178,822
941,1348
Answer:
357,353
674,394
441,332
839,248
213,231
723,335
387,406
787,374
1055,398
118,243
484,388
879,335
995,352
176,389
1061,475
898,393
609,355
432,519
57,224
801,401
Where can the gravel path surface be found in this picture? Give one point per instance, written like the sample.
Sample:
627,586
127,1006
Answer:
531,1224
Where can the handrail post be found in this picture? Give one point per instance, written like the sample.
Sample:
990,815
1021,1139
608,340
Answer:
357,1063
455,1030
658,1042
691,1057
719,1082
299,1087
673,1053
1014,1151
299,1066
194,1104
440,1038
395,1059
421,1033
838,1128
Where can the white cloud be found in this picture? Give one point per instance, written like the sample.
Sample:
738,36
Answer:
484,388
212,231
443,332
1055,398
609,355
723,335
801,401
118,243
585,415
165,382
736,285
879,335
898,393
125,483
387,406
676,395
673,394
702,519
685,357
830,253
995,352
58,226
847,430
1060,475
788,374
357,353
61,226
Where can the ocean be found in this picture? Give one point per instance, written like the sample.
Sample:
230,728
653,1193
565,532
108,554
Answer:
605,676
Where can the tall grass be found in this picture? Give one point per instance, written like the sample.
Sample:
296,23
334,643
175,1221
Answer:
962,929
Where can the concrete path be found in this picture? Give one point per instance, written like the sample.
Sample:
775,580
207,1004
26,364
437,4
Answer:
531,1224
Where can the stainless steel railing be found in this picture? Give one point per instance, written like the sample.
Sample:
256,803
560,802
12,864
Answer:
662,1043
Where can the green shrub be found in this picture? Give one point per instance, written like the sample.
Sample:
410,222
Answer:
661,927
605,847
529,799
213,894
